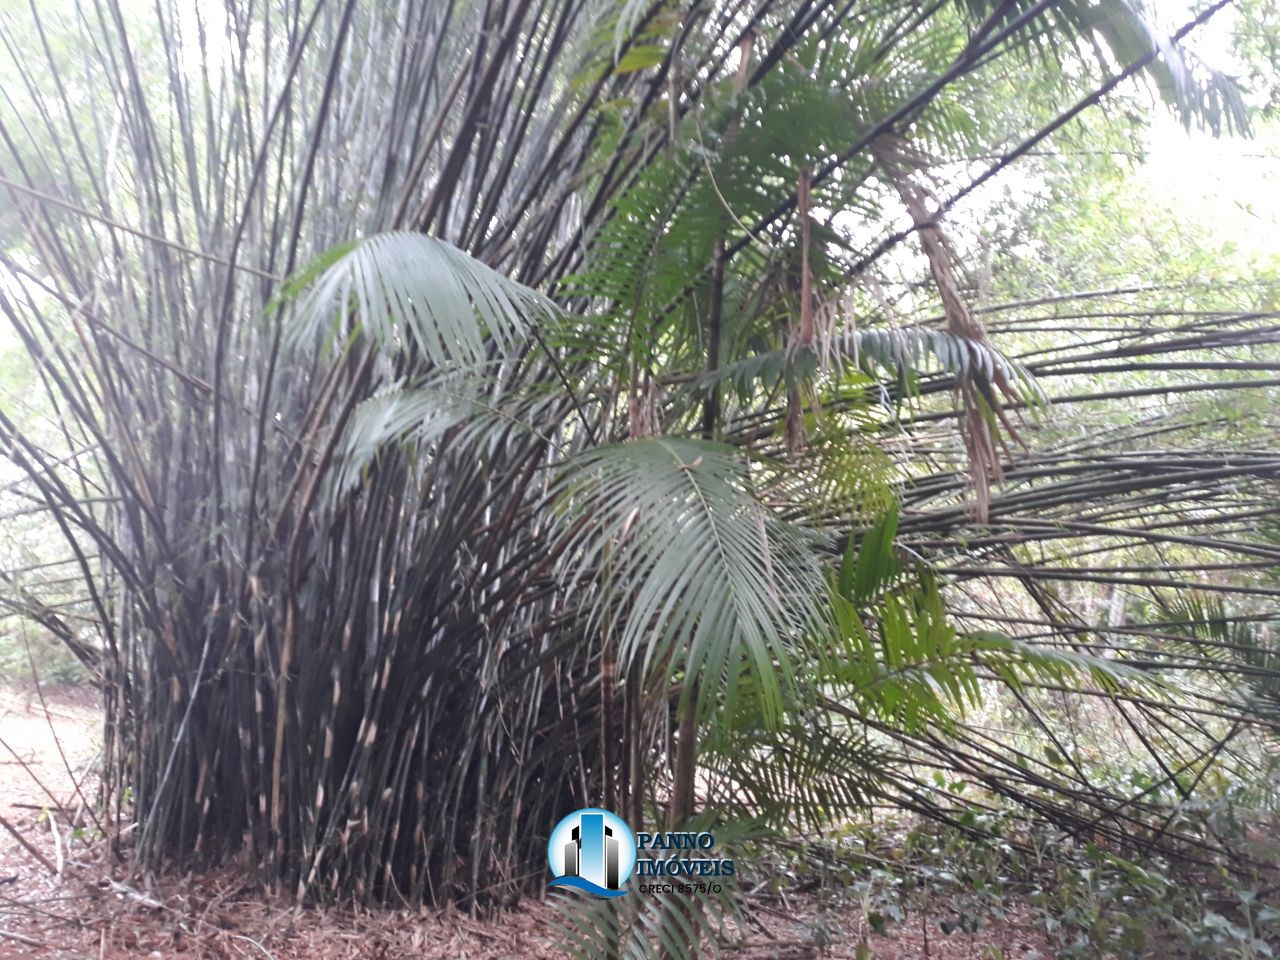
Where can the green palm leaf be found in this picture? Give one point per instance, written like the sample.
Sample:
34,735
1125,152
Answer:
407,288
904,352
469,411
709,577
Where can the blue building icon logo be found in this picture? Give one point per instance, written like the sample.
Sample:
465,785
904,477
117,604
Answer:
592,850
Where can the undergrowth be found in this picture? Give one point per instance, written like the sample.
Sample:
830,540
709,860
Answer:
1090,901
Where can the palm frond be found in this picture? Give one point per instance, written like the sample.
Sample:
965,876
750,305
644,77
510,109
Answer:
642,927
402,288
706,577
817,770
1242,648
898,654
471,413
1131,31
906,353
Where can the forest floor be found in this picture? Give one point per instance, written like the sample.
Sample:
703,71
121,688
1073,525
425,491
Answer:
59,898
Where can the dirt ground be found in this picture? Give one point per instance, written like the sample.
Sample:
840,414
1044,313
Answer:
59,899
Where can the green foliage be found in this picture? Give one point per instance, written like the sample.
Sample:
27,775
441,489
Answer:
1000,871
898,655
709,579
905,353
814,770
640,928
409,289
28,654
455,408
1242,645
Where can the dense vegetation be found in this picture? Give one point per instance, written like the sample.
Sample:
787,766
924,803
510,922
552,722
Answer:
431,419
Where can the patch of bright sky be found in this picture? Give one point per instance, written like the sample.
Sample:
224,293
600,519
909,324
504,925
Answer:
1229,186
